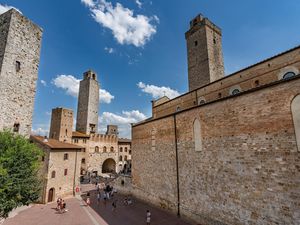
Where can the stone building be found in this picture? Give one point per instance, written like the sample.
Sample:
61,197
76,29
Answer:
61,168
101,151
20,43
227,151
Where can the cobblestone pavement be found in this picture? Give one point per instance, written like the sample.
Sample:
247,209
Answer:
97,214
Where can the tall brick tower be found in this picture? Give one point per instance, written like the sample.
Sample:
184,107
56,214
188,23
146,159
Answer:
204,50
61,126
20,43
88,104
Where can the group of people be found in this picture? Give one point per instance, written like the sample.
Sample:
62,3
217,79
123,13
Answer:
61,205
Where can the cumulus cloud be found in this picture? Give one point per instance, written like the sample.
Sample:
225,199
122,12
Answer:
44,83
4,8
126,27
158,92
139,3
71,85
123,121
40,131
109,50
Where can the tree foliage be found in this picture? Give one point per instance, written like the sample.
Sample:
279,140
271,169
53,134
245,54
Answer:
19,165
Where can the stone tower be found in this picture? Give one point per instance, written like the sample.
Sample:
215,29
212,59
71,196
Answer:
112,130
20,43
61,126
204,50
88,104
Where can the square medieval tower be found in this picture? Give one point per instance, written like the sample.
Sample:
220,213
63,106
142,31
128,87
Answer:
20,43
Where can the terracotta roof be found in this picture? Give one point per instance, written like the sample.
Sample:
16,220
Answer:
124,140
55,144
79,134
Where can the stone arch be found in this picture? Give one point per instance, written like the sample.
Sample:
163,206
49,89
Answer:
197,136
109,166
295,107
235,90
286,70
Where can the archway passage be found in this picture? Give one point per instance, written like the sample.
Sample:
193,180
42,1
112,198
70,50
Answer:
51,195
109,166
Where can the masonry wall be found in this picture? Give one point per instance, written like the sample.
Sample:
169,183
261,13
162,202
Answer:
248,169
63,184
20,40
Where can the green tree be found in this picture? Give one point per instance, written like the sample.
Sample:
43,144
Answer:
19,164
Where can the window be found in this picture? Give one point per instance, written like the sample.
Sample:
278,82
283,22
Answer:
202,101
235,91
177,109
53,174
104,149
256,83
121,149
18,66
16,127
83,160
129,152
215,41
197,135
288,75
296,118
75,140
84,141
66,172
125,158
111,149
66,156
97,149
125,149
67,132
196,43
120,158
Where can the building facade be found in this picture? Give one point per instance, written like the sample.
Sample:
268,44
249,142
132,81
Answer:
20,43
227,152
61,168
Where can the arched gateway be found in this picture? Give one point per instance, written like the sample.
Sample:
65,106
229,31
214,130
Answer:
109,166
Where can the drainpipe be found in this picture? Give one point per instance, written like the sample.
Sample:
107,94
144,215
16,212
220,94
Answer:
177,167
75,173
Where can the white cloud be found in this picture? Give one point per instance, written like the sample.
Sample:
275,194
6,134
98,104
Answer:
109,50
40,131
122,120
126,27
71,85
4,8
139,3
158,92
44,83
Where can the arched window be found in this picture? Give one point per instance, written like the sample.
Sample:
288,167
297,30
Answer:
129,152
235,91
111,149
121,149
97,149
125,149
53,174
66,156
197,135
296,118
120,158
104,149
125,158
202,101
288,75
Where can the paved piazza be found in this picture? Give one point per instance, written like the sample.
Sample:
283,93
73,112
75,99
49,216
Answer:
96,214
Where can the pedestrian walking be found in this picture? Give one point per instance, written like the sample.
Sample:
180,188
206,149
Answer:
88,200
98,197
114,205
148,217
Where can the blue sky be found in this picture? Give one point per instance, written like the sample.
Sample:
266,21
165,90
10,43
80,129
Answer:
137,48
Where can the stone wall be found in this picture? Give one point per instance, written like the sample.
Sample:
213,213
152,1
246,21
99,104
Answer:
263,73
247,171
20,44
